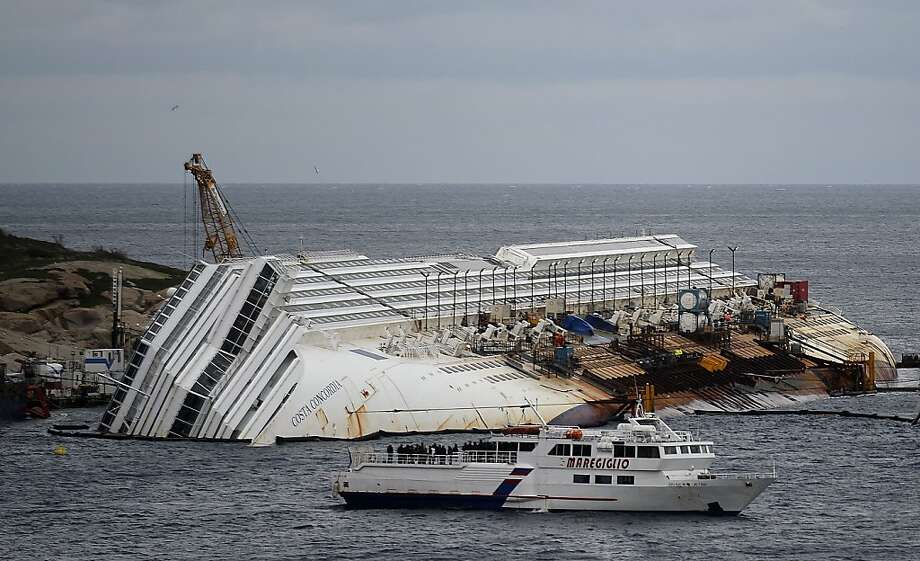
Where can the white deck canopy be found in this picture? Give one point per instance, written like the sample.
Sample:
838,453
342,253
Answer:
337,289
541,256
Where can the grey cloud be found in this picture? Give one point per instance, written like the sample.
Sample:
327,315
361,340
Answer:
535,42
462,91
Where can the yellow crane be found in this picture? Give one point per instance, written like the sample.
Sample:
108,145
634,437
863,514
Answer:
220,234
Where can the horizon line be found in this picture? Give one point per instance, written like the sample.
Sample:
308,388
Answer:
474,183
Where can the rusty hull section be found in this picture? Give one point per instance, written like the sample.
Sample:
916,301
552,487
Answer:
690,374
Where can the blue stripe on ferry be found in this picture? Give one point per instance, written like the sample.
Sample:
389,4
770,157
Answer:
506,487
521,471
427,500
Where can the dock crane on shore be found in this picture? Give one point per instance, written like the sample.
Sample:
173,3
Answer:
221,236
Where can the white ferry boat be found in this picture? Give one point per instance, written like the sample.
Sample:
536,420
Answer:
642,465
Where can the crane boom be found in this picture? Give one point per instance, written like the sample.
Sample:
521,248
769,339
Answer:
220,234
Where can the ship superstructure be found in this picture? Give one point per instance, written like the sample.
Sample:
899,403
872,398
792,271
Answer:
341,345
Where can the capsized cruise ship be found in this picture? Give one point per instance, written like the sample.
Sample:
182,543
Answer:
344,346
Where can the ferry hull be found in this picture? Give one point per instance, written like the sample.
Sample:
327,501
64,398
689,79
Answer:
720,497
442,484
717,497
423,500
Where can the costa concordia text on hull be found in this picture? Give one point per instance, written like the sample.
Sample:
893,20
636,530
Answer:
340,345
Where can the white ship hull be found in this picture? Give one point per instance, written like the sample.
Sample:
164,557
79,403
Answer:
478,488
828,336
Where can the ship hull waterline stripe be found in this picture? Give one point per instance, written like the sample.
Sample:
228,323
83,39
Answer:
361,500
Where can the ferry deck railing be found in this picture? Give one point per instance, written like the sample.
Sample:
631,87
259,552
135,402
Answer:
360,458
736,475
613,435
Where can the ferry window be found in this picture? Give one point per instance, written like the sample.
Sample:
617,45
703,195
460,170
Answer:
581,450
603,479
527,446
670,450
647,452
626,480
578,478
507,446
684,449
695,449
620,451
561,450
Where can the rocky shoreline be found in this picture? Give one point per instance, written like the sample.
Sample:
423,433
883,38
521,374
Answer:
56,301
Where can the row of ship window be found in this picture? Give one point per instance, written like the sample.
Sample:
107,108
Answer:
604,479
625,451
447,276
487,292
473,366
448,306
137,357
619,451
413,268
691,449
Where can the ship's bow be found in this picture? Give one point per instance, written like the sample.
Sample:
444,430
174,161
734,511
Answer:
731,494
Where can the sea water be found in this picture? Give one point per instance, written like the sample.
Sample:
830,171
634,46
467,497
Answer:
848,488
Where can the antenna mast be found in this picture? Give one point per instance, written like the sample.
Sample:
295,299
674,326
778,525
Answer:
220,234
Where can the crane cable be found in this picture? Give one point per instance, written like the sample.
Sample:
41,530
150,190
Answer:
250,242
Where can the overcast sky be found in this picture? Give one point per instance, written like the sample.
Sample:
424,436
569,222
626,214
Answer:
450,91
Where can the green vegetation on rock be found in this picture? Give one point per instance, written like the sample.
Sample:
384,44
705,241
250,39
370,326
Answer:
28,258
56,300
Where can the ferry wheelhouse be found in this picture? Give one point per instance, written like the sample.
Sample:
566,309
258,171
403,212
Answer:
642,465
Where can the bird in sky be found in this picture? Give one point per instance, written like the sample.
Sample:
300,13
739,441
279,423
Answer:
174,107
316,170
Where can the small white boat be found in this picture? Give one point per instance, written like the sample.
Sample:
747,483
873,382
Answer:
642,465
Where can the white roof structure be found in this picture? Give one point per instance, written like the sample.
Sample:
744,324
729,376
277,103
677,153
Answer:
541,256
344,289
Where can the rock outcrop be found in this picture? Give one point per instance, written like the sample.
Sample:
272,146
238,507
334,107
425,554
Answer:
56,302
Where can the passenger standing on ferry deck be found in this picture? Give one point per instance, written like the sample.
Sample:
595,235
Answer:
389,453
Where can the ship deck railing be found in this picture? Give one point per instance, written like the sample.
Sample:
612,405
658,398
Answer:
615,436
458,459
736,475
